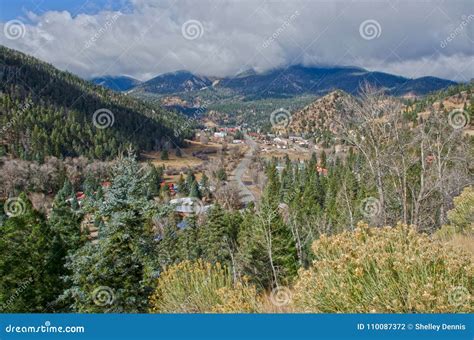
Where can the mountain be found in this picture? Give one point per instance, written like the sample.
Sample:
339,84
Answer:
297,80
117,83
48,112
175,82
294,81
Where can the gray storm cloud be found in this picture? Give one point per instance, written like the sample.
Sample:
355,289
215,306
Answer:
222,38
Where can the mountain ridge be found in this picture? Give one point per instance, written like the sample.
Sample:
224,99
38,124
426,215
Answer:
293,81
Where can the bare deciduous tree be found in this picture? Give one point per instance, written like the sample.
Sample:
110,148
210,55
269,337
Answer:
416,169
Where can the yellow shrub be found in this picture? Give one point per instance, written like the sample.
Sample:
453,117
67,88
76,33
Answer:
462,215
385,270
199,287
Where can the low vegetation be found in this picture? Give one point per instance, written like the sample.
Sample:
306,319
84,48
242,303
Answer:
385,270
200,287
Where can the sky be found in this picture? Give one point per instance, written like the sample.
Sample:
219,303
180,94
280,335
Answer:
144,38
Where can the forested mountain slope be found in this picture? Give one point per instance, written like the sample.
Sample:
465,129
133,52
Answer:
116,83
46,111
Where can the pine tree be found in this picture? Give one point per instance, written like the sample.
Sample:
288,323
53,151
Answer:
164,155
190,180
188,246
195,192
65,223
31,279
155,176
204,186
182,185
218,236
123,257
267,248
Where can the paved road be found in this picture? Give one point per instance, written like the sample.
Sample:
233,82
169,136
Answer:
246,195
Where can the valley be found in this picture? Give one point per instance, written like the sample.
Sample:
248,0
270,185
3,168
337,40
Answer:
285,193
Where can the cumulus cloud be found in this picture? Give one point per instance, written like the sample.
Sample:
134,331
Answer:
146,38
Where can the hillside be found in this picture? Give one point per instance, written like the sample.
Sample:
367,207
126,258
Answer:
50,112
317,117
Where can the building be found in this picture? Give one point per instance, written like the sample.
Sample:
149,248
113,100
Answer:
186,206
220,134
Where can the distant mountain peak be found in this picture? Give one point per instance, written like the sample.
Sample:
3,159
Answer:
175,82
116,83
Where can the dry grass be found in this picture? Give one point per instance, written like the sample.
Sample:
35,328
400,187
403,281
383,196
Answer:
187,160
293,154
463,242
